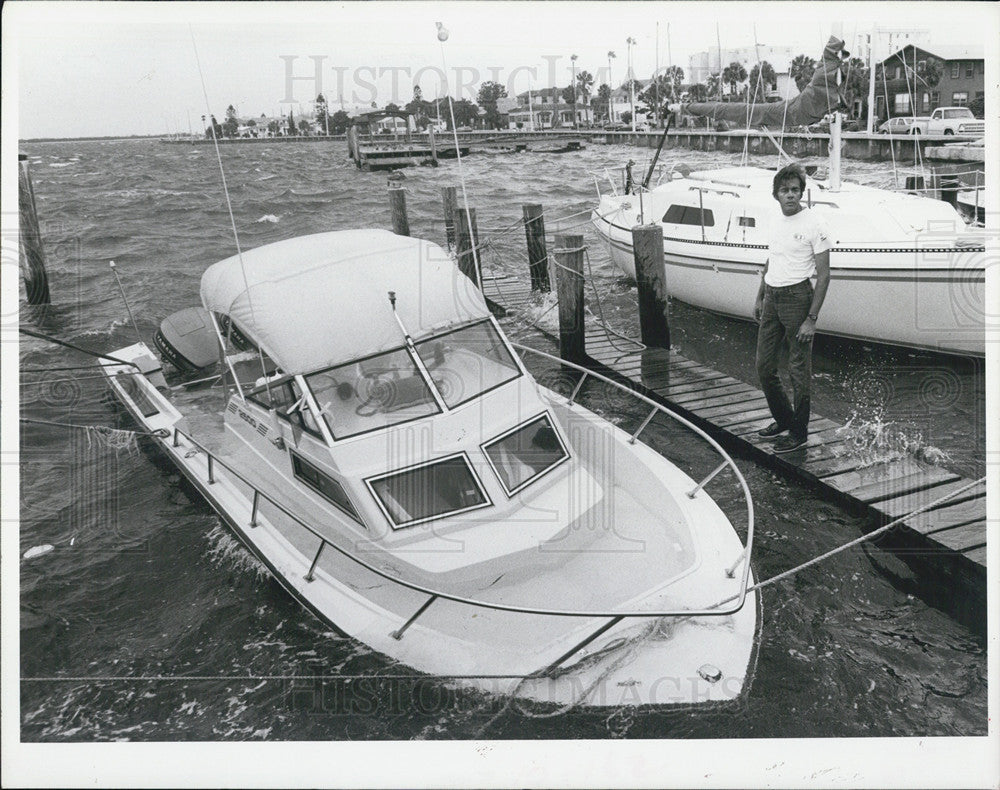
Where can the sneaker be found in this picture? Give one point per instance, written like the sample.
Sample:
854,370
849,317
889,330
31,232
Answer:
788,443
771,430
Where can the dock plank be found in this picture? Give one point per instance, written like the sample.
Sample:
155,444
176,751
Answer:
725,390
977,555
963,538
931,521
887,481
900,506
740,408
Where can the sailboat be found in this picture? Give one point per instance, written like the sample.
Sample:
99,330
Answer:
905,269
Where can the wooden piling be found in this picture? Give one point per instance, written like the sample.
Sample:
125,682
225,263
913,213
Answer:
433,141
397,205
467,243
568,255
647,247
449,196
36,280
538,259
352,144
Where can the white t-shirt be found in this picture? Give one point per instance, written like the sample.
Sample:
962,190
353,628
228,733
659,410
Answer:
792,244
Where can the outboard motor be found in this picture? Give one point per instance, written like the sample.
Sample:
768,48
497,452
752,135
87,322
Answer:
187,340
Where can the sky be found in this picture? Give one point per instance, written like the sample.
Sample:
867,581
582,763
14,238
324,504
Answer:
82,69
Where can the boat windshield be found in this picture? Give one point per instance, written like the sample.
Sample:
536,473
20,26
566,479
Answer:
372,393
467,362
529,451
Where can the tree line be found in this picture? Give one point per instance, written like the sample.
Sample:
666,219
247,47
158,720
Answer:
652,97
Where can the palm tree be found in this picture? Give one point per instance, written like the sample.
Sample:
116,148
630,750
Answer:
732,74
584,82
801,70
713,86
604,100
762,79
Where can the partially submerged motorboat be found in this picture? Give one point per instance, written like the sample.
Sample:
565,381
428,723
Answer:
384,451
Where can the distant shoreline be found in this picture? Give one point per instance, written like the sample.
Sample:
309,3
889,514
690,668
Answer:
110,138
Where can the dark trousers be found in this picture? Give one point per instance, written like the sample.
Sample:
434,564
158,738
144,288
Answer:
784,311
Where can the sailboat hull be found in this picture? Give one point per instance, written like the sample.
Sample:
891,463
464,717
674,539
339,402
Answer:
929,298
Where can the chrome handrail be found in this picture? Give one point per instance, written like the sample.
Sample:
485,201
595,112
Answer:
713,611
433,595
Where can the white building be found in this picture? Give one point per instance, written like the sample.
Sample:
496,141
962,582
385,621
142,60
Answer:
703,64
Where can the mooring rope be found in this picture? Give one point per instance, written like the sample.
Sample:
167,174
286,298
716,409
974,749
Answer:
58,342
631,642
159,433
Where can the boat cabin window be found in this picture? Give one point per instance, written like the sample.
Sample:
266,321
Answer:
747,222
371,393
522,455
324,485
441,488
467,362
286,399
689,215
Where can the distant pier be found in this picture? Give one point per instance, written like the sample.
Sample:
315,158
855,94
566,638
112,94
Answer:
855,145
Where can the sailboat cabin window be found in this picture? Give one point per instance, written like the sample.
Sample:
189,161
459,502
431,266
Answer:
324,485
521,456
689,215
441,488
747,222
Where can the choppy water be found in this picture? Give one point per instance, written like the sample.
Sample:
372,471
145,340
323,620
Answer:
149,622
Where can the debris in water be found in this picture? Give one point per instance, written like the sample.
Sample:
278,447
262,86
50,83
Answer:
38,551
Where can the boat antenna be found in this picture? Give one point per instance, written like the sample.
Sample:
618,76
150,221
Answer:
442,35
125,299
402,326
232,221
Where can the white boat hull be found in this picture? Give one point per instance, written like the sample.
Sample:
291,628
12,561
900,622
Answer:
932,298
639,661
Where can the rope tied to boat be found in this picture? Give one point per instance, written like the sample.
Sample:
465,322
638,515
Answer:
104,435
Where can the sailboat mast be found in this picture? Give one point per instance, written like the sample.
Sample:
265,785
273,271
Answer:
872,37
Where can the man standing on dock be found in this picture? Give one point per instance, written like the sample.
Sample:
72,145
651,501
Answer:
788,306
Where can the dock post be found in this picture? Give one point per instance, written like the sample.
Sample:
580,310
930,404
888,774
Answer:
352,143
568,254
433,142
397,205
449,196
467,244
36,280
538,259
647,246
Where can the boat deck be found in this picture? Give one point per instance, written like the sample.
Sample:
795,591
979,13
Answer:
951,535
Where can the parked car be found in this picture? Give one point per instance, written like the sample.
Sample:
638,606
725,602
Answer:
900,125
617,126
950,120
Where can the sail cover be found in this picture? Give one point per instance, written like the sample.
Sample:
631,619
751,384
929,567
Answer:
819,97
315,301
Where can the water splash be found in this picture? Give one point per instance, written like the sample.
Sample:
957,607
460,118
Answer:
227,552
872,439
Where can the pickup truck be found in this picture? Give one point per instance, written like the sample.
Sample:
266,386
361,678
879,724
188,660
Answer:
949,120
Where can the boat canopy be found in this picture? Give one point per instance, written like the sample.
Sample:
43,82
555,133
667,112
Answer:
316,301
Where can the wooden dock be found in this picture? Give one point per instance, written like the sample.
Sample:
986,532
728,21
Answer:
952,535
